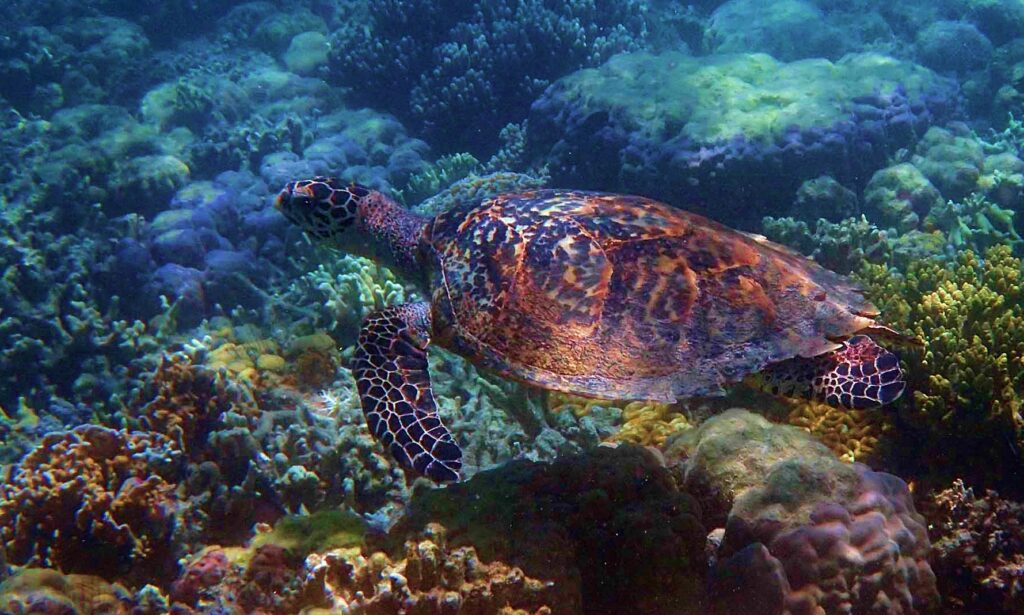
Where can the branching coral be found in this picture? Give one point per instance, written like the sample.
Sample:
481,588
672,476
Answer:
483,61
979,549
347,288
431,578
94,500
968,383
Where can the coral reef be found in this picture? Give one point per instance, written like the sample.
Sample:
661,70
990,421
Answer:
475,187
607,527
979,549
483,61
853,435
803,531
716,123
788,30
94,500
40,590
967,383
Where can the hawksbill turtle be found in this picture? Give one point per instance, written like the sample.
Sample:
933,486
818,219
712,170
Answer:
594,294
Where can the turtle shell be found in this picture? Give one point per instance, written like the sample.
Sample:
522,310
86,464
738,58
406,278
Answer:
623,297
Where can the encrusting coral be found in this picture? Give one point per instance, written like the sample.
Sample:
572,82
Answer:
853,435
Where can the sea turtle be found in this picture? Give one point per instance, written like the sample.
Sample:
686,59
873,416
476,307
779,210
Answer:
599,295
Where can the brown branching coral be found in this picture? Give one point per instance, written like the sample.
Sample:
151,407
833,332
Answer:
431,579
94,500
186,401
979,550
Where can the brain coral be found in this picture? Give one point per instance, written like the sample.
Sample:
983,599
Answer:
805,532
727,130
93,500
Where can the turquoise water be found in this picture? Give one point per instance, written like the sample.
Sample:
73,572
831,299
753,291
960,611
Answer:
512,307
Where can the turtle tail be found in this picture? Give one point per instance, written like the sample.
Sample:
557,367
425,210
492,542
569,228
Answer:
860,374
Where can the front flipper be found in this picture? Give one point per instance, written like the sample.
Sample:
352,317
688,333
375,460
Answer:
859,375
390,367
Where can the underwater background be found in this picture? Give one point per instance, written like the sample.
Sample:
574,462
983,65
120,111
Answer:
179,427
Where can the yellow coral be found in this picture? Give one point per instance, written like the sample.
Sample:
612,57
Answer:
579,406
853,435
970,314
643,422
649,423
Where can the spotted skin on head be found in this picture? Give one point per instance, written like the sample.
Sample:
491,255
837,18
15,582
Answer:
324,207
860,374
390,368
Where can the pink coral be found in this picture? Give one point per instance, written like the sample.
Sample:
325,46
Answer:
205,571
805,533
865,553
93,500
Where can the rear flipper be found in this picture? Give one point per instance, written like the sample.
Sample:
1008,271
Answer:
390,368
859,375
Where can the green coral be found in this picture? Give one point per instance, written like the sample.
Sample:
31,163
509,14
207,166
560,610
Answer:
974,223
344,290
318,532
475,187
968,380
723,96
446,171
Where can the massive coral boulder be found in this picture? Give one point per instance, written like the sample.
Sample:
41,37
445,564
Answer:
731,134
805,532
610,529
94,500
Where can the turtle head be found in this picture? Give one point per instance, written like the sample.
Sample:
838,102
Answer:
354,218
323,207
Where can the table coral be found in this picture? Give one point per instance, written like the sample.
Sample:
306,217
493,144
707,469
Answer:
968,383
704,129
94,500
979,549
804,533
